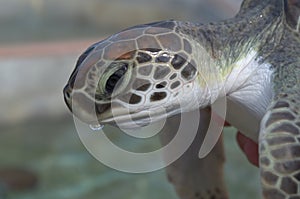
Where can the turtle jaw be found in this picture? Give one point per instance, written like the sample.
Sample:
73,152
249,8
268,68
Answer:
83,107
110,113
123,118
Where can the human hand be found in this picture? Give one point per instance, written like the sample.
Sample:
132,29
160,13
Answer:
249,147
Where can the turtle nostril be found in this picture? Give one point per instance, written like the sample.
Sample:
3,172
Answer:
68,95
67,91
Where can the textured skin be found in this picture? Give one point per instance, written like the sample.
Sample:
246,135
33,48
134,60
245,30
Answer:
279,45
279,146
195,178
280,129
293,13
269,27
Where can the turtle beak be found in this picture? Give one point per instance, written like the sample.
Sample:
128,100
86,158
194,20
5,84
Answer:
86,109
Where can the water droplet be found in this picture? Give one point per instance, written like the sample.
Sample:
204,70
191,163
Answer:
96,127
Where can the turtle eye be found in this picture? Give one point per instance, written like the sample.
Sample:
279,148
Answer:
114,79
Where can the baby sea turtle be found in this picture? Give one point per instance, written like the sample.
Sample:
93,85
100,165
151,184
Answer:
164,68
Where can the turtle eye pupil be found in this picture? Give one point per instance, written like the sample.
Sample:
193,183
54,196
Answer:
114,79
111,83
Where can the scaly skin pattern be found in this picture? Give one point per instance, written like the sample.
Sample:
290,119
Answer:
280,129
180,67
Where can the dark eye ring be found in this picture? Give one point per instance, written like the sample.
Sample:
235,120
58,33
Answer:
113,80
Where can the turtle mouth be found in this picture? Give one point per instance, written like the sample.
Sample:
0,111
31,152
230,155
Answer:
116,114
130,121
134,120
122,118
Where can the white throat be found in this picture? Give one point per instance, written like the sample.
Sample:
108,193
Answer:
249,90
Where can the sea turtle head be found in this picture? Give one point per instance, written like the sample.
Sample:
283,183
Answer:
137,76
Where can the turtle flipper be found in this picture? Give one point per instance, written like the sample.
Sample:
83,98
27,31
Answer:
280,147
192,177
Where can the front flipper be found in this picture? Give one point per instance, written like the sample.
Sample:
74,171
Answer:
192,177
280,148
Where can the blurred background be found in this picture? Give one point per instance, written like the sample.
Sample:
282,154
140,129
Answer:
41,156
